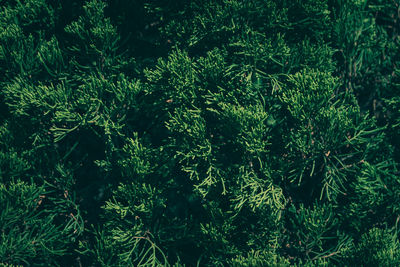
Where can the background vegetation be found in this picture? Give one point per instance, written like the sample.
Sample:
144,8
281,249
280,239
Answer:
205,132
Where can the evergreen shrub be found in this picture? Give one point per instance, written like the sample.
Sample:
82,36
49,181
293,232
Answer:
199,133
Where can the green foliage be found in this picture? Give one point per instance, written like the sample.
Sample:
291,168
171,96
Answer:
31,229
377,247
199,133
259,258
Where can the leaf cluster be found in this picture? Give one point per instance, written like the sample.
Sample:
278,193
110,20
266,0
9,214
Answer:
199,133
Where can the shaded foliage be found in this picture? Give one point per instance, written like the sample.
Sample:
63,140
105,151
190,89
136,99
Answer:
199,133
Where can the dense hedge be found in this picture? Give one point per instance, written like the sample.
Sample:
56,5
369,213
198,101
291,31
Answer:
199,133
